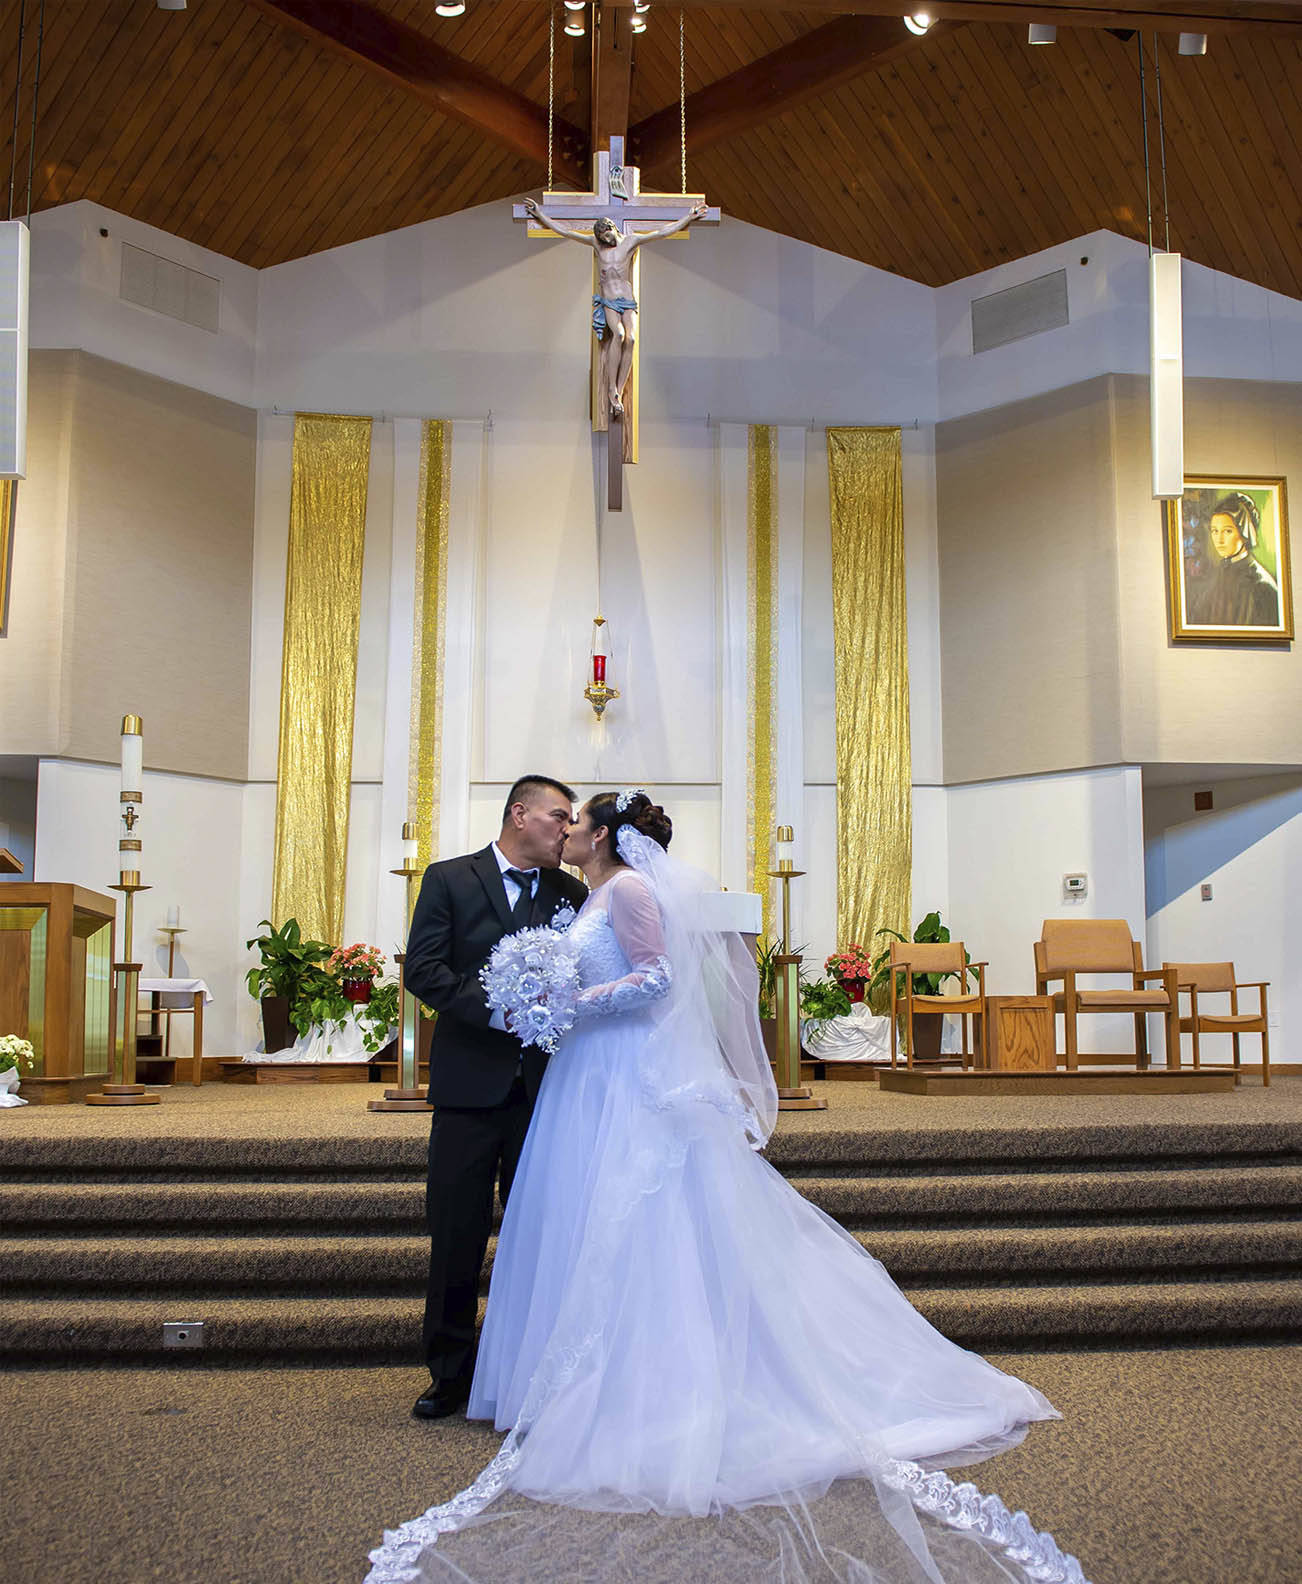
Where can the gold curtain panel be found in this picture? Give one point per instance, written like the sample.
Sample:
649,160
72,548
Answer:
874,774
424,760
762,594
318,679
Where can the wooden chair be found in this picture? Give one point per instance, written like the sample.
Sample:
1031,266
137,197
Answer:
1069,947
910,957
1200,979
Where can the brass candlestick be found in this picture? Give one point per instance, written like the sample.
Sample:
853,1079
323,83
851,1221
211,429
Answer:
792,1094
171,931
126,978
408,1096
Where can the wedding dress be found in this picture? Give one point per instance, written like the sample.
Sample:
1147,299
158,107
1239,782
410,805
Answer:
703,1375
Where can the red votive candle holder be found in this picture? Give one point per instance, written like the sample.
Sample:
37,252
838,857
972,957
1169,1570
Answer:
598,668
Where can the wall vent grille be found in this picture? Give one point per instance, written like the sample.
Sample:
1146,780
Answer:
1026,310
172,289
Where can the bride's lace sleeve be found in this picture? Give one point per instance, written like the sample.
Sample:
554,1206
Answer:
635,920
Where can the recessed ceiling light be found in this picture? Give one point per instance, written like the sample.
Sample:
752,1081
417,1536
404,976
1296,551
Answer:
1193,44
918,23
450,8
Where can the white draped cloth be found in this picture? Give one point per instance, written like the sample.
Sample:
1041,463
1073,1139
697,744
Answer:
860,1036
327,1044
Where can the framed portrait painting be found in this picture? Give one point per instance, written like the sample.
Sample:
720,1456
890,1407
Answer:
1227,561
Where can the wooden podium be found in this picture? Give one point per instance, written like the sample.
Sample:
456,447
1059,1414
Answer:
56,984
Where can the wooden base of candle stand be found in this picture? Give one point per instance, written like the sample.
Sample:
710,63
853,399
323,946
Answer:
401,1100
123,1094
801,1099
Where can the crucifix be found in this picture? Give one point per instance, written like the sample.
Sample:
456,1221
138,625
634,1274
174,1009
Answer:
617,217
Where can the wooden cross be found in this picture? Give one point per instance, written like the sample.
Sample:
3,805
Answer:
617,195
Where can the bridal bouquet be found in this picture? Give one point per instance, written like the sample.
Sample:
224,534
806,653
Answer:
533,978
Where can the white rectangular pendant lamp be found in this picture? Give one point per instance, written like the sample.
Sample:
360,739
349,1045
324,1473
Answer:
1166,381
14,265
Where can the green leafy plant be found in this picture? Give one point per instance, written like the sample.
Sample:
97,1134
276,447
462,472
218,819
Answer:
822,999
930,932
288,962
766,954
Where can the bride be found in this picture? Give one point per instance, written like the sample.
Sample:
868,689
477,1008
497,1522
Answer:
698,1369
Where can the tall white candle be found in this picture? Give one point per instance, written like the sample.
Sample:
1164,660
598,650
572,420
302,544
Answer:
174,918
133,761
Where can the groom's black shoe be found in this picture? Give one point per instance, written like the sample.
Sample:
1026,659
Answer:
441,1399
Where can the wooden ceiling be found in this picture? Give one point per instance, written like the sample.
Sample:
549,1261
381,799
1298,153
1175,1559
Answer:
229,126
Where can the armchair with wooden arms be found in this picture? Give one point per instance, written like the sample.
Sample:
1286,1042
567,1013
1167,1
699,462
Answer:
1200,979
945,957
1070,947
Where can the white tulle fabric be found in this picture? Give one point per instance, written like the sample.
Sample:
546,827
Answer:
702,1375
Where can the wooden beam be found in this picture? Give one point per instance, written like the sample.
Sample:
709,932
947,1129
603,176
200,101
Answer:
612,73
811,65
1164,16
366,36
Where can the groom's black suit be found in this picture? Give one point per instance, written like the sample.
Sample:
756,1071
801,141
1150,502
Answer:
483,1083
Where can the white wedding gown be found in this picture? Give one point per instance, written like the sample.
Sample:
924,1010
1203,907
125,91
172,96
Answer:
674,1332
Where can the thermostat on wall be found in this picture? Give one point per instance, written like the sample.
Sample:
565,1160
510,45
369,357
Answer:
1075,887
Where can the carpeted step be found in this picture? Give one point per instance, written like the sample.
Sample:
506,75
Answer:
181,1265
987,1198
358,1206
387,1330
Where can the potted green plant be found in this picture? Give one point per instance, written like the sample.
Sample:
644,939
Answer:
289,969
766,955
927,1026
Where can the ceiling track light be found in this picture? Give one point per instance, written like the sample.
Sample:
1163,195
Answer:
574,27
1193,44
1042,33
450,8
918,23
170,5
637,23
575,5
641,5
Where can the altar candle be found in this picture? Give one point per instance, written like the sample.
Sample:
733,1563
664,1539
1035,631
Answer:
133,754
598,668
409,841
174,918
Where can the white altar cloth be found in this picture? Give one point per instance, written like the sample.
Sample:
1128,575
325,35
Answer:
182,987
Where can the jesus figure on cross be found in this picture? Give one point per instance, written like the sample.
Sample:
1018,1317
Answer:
614,309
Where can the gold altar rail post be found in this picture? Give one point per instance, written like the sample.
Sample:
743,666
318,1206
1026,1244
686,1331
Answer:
408,1096
792,1094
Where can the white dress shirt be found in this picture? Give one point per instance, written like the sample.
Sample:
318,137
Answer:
498,1019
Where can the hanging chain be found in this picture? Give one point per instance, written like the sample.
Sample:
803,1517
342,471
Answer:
551,87
1161,141
682,100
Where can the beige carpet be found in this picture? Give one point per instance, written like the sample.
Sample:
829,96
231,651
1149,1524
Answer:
1174,1467
339,1110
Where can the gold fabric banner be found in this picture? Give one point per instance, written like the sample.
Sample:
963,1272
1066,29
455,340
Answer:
318,678
761,723
424,759
874,793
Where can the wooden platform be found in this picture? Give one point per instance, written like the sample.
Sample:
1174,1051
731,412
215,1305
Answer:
902,1081
236,1071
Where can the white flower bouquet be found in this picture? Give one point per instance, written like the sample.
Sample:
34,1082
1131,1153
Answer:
15,1052
532,977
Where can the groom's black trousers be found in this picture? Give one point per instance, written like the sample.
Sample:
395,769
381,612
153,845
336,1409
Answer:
470,1151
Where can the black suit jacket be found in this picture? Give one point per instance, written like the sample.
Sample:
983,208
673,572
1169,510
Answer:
460,916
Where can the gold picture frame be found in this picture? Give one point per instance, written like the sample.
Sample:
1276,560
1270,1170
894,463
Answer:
8,511
1229,573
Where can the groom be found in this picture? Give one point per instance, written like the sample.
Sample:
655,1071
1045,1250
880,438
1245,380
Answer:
482,1081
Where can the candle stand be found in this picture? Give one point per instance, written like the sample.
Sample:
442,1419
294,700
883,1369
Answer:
792,1094
408,1096
126,981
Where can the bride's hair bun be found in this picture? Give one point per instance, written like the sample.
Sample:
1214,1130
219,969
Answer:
638,811
652,821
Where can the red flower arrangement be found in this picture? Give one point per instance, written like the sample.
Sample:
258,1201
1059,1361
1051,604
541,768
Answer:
852,963
356,962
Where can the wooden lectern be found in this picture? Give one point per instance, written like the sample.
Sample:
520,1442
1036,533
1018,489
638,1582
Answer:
56,984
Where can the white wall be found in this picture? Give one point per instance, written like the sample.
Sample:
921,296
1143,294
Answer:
1232,330
1011,842
75,302
193,831
1248,847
